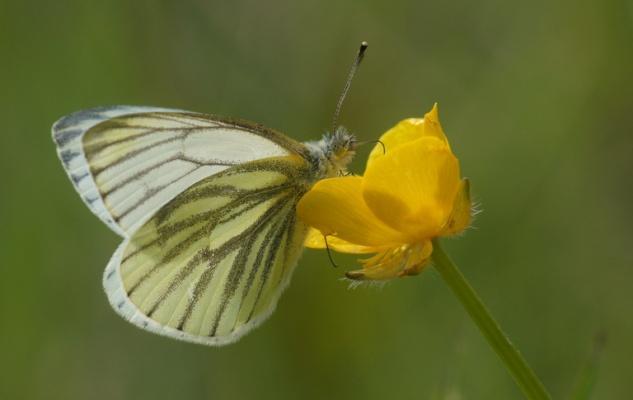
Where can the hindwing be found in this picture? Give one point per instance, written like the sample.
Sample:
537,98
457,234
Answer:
212,262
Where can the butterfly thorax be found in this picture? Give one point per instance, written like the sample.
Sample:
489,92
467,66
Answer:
332,153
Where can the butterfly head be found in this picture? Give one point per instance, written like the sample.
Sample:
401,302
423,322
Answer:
334,151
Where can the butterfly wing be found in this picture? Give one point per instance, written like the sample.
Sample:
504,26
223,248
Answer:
126,162
206,206
211,263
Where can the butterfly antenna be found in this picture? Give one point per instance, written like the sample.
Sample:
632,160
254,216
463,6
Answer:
348,83
329,253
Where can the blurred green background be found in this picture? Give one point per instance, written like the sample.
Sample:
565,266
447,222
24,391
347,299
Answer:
536,98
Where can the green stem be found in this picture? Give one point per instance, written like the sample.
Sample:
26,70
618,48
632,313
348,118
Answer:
516,364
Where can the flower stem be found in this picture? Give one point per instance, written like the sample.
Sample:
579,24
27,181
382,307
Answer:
511,357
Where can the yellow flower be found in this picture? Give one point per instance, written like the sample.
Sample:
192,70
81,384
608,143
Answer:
409,195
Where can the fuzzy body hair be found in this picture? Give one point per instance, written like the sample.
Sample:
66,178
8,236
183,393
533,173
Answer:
332,153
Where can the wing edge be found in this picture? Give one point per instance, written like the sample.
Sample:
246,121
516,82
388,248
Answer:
68,132
125,308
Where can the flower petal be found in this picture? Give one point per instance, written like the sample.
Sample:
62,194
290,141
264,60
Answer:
316,240
404,131
401,261
412,188
335,206
461,214
408,130
432,126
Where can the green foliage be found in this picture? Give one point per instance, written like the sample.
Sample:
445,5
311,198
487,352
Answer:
535,96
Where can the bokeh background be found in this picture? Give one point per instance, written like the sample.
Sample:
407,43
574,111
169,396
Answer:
536,98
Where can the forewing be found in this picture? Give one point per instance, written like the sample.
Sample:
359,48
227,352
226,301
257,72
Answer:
126,162
211,263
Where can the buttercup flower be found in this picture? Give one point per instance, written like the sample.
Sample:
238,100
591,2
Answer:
409,194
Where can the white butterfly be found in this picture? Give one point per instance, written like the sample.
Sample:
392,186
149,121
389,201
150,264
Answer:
206,209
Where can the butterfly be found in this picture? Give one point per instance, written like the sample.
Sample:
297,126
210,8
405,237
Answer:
206,209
